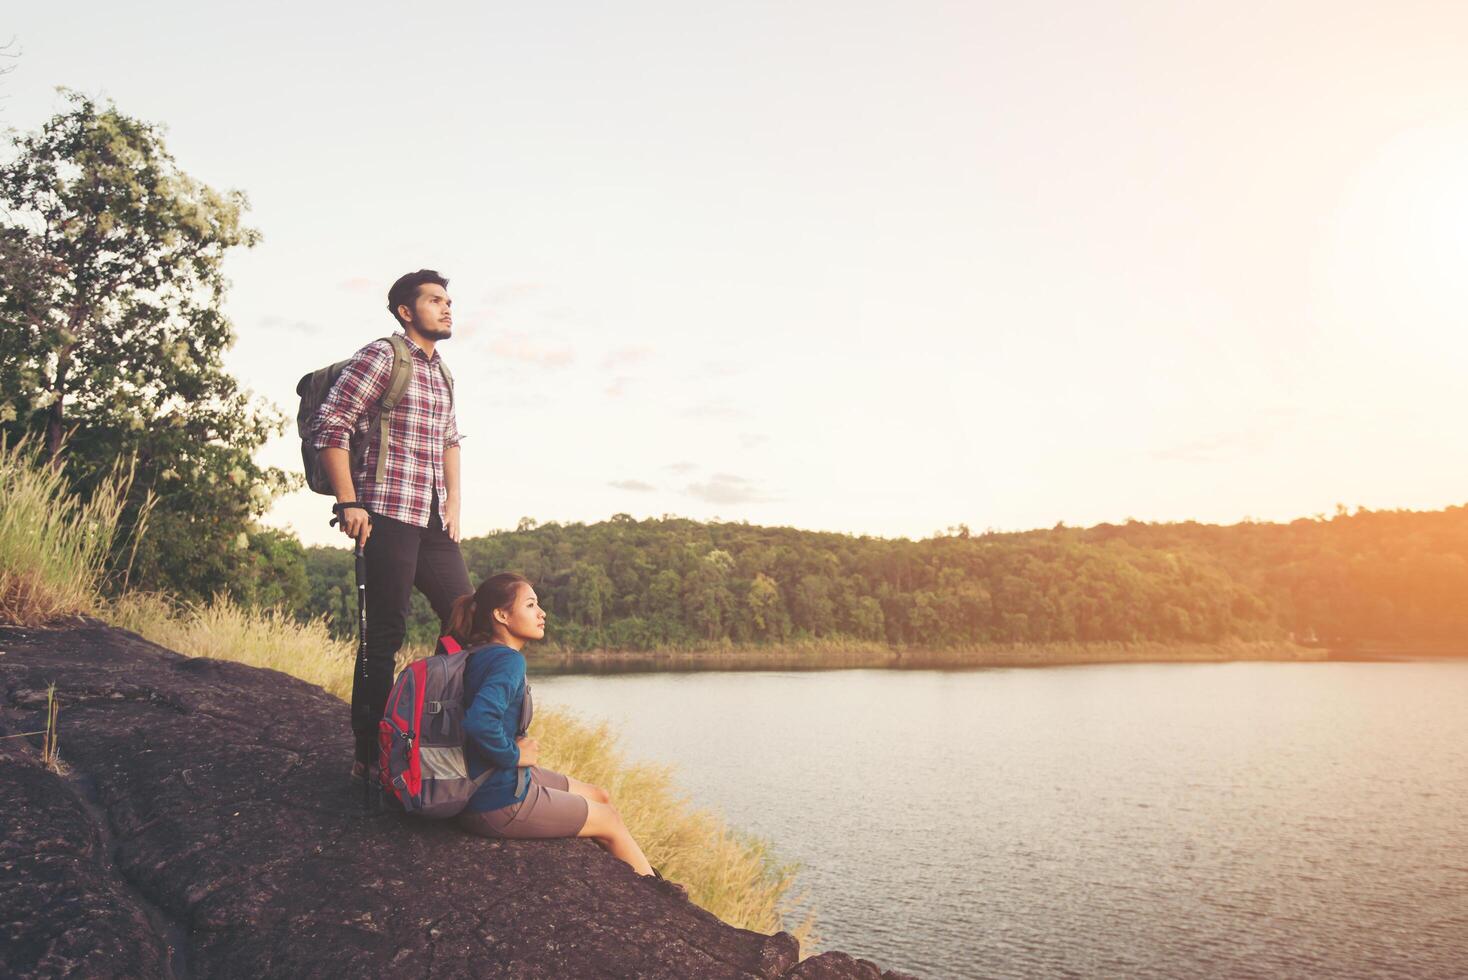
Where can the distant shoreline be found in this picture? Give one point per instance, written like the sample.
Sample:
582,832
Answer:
1411,653
820,657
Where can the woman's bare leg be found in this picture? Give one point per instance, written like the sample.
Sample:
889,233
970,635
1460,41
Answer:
591,794
588,792
604,824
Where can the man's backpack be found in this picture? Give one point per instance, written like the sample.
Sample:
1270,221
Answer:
421,736
313,389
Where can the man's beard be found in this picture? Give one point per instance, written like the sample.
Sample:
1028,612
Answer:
437,331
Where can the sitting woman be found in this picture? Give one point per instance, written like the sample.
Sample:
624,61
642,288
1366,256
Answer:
520,799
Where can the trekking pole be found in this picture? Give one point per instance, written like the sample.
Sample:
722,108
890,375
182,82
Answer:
361,568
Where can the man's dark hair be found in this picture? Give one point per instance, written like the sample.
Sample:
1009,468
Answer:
404,292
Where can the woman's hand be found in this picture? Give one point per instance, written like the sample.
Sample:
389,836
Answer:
529,750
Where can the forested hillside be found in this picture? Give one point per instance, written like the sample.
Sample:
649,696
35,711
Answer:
1377,578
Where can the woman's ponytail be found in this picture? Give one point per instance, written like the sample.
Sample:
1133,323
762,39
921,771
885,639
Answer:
461,618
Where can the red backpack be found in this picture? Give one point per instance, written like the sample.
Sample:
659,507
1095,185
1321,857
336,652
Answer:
421,736
420,739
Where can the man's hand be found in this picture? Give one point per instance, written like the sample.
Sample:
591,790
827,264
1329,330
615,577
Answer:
353,521
451,492
356,524
529,750
451,517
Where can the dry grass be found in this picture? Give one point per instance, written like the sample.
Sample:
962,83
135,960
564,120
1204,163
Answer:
822,654
51,742
733,876
53,544
225,630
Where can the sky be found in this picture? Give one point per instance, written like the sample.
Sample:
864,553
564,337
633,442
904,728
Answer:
879,268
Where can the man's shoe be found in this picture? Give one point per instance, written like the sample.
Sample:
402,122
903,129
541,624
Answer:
365,775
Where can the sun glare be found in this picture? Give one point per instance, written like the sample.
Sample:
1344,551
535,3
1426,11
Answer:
1400,239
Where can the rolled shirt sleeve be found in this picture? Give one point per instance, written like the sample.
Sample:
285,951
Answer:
451,437
360,385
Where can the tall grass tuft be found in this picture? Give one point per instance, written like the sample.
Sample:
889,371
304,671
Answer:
733,876
51,742
53,544
225,630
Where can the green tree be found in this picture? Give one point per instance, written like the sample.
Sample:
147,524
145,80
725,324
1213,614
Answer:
767,616
663,593
812,608
273,572
866,619
706,595
112,335
333,594
1379,578
591,593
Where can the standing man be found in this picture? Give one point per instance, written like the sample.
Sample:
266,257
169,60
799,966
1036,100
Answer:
403,508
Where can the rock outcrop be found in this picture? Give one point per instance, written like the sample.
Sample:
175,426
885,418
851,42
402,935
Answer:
206,828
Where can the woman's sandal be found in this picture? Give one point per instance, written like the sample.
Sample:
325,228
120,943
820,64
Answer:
680,890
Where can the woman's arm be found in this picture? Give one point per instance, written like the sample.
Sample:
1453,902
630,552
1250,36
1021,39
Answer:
484,719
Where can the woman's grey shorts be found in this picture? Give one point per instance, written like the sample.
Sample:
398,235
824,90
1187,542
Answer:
549,809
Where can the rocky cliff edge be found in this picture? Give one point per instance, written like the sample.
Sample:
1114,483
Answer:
205,828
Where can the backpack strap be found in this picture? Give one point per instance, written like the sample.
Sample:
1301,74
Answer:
447,645
402,373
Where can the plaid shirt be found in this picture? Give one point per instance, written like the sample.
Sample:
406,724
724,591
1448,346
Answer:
420,429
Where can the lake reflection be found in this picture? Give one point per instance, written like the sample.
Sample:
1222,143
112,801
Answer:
1248,819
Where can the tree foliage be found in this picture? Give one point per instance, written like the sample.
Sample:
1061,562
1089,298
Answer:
1386,578
112,335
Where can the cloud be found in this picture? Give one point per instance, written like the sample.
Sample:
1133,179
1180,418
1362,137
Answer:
618,387
710,411
1211,448
623,356
512,292
722,369
273,322
516,346
360,284
748,440
682,466
470,324
726,488
636,486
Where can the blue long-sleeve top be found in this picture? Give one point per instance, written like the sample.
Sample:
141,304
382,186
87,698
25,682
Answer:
494,698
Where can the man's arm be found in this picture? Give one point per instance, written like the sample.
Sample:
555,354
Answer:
451,473
451,486
354,520
361,385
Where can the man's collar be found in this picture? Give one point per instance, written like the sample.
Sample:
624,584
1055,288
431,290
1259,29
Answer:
414,348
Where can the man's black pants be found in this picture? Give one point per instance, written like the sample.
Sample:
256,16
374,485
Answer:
399,556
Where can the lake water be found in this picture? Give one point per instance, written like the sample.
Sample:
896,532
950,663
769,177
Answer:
1169,820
